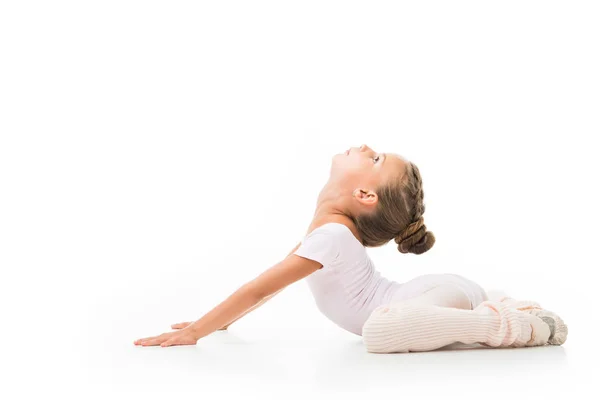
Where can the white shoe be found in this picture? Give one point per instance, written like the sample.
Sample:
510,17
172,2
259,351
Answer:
558,328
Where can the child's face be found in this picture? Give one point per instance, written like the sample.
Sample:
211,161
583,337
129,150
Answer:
362,167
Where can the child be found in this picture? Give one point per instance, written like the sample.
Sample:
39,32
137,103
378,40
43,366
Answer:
369,199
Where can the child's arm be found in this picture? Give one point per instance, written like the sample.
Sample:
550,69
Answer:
255,293
263,301
182,325
267,284
260,303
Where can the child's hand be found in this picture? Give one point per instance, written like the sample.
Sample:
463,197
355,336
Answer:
178,338
182,325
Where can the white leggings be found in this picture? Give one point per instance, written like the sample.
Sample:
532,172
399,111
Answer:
421,284
433,311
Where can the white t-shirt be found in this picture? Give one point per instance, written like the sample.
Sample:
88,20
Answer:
348,287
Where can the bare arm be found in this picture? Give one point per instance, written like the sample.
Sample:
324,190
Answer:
261,302
182,325
267,284
254,307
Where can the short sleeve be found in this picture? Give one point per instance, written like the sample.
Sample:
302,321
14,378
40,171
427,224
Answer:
321,245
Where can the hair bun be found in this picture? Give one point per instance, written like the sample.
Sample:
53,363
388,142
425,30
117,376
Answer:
415,238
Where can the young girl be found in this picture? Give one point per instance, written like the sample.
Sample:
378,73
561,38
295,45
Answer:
369,199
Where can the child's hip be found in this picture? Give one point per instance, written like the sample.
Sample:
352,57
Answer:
423,283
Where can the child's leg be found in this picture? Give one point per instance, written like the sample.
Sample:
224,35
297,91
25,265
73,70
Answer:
417,286
443,295
441,316
558,328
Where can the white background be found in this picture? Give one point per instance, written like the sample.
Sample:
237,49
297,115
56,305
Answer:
155,156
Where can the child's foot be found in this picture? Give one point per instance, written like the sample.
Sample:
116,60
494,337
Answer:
558,328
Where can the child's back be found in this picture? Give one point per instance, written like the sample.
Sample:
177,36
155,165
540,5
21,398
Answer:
348,287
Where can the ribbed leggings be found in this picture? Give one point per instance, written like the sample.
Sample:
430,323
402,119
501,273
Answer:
443,315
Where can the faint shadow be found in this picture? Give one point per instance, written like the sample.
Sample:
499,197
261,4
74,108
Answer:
341,364
223,353
349,365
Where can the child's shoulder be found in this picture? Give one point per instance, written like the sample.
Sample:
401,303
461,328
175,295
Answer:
326,227
335,229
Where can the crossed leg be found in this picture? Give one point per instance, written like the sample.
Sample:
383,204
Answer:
442,316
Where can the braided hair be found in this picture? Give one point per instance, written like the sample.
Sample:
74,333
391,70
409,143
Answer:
398,215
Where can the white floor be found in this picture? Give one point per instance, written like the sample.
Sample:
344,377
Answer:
78,344
280,362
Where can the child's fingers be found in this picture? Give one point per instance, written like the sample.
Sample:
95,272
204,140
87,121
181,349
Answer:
144,340
139,341
178,341
154,342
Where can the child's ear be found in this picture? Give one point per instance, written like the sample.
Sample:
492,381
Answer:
365,196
